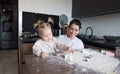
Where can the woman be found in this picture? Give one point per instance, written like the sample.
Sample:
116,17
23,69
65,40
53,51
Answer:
70,38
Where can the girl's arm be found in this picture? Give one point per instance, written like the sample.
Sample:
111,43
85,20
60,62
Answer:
37,50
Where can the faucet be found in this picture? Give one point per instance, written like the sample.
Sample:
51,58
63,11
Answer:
90,30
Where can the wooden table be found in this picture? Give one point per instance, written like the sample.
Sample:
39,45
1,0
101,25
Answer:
54,65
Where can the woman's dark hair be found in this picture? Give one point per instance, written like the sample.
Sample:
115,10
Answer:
75,21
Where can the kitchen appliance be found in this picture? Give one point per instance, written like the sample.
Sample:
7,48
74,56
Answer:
63,23
63,20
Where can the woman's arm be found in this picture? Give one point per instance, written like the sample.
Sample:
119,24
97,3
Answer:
62,46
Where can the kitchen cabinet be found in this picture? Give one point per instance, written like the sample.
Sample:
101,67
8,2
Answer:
24,49
8,24
0,19
90,8
29,18
108,6
83,8
86,8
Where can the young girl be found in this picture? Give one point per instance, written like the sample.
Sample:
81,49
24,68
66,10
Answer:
47,43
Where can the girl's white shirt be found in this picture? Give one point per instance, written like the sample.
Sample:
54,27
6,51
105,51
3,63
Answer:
48,47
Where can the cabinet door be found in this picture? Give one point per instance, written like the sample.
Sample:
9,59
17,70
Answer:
26,48
8,24
83,8
40,16
0,8
108,6
90,7
28,19
76,8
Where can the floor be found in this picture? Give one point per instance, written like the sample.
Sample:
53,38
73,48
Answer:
8,61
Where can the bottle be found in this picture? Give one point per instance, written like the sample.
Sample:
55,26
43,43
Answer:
117,52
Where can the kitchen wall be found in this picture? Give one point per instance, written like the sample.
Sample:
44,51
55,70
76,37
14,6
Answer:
55,7
102,25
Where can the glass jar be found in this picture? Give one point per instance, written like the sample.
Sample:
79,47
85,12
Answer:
117,51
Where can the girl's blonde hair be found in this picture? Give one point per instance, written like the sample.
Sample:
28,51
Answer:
41,25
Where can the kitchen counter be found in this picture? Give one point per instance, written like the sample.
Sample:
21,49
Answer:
102,43
99,43
28,40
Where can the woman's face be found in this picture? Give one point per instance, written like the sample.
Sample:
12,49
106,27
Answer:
72,30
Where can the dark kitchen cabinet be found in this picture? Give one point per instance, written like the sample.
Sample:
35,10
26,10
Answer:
25,48
42,16
108,6
0,19
86,8
8,24
83,8
29,18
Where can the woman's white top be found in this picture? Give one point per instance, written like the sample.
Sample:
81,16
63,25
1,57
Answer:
75,43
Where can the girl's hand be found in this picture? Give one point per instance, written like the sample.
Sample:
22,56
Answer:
44,54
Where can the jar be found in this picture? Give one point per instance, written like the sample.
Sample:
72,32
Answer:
117,51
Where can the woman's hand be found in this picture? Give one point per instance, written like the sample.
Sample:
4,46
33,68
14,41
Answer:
69,50
44,54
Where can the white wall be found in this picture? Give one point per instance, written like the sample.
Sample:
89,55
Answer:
55,7
103,25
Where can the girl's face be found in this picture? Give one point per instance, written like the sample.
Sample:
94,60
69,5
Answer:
46,35
73,30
